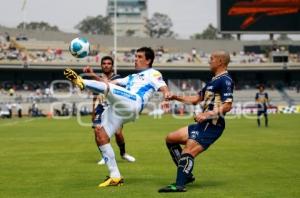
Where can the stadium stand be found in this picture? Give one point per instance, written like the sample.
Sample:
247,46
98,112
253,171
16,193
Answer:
248,96
294,95
53,46
34,60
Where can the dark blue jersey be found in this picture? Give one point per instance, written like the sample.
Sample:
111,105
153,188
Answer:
216,92
262,99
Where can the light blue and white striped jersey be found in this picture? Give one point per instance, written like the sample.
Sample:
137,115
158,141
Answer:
143,83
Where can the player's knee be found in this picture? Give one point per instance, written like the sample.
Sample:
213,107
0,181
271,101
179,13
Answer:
168,138
97,128
193,150
102,140
101,136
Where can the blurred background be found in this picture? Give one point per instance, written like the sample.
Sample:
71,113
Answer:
262,37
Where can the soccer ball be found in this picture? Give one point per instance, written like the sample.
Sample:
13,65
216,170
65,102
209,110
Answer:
79,47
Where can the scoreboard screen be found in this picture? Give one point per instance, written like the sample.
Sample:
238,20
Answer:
262,16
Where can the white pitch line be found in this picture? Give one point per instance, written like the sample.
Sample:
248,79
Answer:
18,122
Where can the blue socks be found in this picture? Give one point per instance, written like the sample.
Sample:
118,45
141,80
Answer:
185,168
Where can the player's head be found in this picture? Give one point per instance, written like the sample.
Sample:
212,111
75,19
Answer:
261,87
107,64
144,58
219,60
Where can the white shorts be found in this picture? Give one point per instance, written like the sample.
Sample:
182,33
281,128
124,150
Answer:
124,107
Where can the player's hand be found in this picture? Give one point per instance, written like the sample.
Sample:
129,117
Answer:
87,69
200,117
169,96
165,105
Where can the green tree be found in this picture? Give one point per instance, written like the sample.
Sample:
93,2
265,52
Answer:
41,26
227,36
95,25
159,26
211,33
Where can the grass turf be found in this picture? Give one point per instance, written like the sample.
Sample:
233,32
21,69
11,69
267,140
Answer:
57,158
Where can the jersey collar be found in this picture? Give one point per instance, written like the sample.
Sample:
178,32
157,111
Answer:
140,71
221,74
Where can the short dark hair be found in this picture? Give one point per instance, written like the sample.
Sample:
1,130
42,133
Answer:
149,54
107,58
261,86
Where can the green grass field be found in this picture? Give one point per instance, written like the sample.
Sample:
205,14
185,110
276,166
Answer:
57,158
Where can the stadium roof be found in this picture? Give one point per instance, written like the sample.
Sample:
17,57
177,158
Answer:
134,42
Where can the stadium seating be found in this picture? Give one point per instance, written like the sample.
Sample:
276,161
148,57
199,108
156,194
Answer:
248,96
53,47
294,95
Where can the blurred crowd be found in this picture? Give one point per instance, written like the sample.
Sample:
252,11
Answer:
11,50
199,56
8,49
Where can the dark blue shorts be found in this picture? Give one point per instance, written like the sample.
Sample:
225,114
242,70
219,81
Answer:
205,133
98,114
259,113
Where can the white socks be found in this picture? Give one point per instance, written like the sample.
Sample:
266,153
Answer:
109,158
95,86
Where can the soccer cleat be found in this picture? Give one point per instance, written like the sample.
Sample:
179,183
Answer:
74,78
128,157
109,181
172,188
190,179
101,162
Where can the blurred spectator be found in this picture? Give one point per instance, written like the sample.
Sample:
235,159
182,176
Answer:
74,109
194,54
58,54
19,110
9,108
7,37
4,113
21,37
11,92
159,53
33,111
47,92
84,111
65,110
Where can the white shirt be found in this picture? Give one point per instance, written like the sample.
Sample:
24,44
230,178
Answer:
143,83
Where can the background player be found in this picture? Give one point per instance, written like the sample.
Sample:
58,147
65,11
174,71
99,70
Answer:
125,103
217,96
262,100
107,69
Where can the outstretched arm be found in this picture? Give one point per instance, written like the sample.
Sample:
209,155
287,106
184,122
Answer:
167,94
187,99
165,91
88,70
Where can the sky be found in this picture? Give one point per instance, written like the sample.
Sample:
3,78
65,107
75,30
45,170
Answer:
188,16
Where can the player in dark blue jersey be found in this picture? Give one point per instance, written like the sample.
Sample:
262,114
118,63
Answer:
107,69
217,98
262,101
